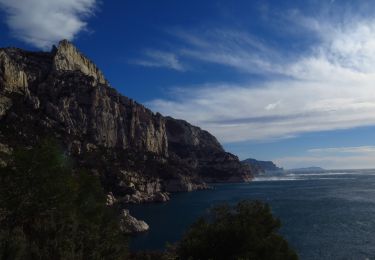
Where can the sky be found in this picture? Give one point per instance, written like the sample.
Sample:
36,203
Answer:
288,81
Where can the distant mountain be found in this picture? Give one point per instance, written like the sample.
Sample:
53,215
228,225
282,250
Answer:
307,170
262,166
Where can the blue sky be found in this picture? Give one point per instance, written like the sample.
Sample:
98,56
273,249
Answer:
289,81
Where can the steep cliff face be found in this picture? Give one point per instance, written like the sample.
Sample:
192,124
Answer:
138,154
202,151
71,95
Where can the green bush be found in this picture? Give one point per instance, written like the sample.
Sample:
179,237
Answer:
49,211
247,231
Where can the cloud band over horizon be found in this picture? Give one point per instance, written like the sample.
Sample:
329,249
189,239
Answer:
355,157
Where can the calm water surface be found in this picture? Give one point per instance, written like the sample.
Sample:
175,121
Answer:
324,216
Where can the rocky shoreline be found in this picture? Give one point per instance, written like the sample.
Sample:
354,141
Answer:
149,193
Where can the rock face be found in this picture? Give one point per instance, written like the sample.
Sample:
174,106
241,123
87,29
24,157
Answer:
130,224
202,152
140,156
68,58
13,77
262,166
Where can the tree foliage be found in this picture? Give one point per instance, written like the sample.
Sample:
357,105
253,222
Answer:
49,211
247,231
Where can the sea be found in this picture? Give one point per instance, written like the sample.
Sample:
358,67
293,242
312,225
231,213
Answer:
328,215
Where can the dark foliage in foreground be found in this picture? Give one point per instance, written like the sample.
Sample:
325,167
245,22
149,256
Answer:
247,231
49,212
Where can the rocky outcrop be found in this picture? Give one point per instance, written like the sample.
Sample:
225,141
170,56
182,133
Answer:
183,184
129,224
68,58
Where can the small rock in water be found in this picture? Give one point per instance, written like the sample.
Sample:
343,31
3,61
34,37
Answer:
130,225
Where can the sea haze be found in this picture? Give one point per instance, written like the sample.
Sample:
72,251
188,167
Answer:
323,215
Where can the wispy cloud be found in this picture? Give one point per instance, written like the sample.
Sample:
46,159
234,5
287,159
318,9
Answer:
154,58
333,158
231,48
44,22
352,149
328,86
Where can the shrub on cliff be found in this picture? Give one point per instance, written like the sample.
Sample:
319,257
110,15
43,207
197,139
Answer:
49,212
246,231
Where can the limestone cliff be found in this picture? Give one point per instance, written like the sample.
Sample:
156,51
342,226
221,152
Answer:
202,151
139,155
68,58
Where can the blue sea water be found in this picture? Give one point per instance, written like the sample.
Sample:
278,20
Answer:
324,216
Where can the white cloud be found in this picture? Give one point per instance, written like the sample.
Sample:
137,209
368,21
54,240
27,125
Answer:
231,48
352,149
357,157
331,162
237,113
329,86
155,58
45,22
272,106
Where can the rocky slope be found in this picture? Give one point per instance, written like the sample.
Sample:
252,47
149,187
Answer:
139,155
